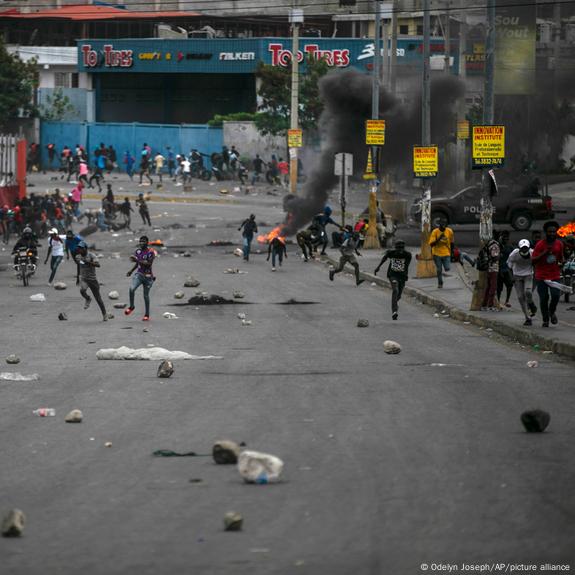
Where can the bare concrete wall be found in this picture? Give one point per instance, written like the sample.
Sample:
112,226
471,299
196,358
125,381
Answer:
247,139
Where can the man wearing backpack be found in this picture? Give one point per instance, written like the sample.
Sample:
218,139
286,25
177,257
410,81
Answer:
441,242
493,251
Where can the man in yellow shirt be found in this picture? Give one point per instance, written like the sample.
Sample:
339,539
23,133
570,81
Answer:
441,242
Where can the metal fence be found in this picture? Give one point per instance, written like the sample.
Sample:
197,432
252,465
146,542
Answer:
8,160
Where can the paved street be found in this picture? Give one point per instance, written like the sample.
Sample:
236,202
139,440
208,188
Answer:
391,461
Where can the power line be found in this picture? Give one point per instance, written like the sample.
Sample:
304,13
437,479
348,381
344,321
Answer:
257,6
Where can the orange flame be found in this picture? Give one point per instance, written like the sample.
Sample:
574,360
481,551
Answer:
566,230
275,233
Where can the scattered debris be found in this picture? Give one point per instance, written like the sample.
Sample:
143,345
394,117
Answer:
149,353
120,305
191,282
179,295
362,323
8,376
187,254
220,243
239,252
241,316
225,452
436,315
260,468
213,299
38,297
233,521
13,523
169,315
62,316
234,271
170,453
108,444
165,369
246,322
12,359
196,480
114,295
293,301
238,295
75,416
60,286
390,346
535,420
533,363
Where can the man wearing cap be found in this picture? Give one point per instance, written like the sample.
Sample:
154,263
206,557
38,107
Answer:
521,266
399,260
56,248
547,258
143,259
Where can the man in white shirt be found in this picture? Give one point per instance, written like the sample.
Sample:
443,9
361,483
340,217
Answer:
56,248
521,266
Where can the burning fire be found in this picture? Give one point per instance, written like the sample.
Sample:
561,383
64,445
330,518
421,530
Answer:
275,233
566,230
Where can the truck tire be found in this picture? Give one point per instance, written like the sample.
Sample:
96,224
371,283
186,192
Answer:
521,221
437,217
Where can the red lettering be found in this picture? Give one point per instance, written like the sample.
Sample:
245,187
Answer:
275,49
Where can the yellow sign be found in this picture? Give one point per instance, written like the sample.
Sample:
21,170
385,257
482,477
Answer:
295,138
425,161
488,146
375,132
463,130
369,174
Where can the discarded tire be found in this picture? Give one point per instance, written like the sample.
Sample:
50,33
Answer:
535,420
166,369
13,524
391,347
225,452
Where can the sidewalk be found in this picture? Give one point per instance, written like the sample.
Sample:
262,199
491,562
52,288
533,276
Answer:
455,299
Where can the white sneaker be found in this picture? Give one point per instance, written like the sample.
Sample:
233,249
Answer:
273,269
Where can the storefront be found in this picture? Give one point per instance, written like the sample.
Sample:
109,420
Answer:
189,81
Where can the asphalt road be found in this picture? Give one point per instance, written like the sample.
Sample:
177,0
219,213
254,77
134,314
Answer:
390,461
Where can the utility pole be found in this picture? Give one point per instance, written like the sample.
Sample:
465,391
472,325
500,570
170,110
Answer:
296,19
425,265
393,63
371,240
461,107
447,39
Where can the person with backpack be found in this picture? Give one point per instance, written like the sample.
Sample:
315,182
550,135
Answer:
521,267
441,242
492,250
399,260
249,227
547,259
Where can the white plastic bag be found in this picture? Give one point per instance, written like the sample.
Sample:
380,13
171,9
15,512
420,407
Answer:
261,468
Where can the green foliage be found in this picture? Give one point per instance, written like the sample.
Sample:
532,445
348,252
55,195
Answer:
57,107
219,119
275,94
17,82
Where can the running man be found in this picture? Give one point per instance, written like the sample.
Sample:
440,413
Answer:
143,209
277,249
348,252
86,277
143,259
399,260
250,227
56,249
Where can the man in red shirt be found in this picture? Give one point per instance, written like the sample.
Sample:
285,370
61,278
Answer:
547,258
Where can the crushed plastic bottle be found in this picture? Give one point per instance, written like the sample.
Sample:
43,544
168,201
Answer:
44,412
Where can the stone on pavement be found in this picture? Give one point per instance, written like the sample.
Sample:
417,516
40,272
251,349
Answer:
191,282
75,416
535,420
362,323
233,521
60,286
13,359
239,252
225,452
38,297
62,316
261,468
13,523
165,369
169,315
390,346
113,295
238,294
179,295
120,305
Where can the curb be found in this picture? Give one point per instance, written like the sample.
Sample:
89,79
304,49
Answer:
558,347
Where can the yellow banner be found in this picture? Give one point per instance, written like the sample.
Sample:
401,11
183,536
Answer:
295,138
463,130
488,146
425,161
375,132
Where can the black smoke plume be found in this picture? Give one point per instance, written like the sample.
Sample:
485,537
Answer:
347,104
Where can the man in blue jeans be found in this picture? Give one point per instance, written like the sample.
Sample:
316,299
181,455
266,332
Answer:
143,259
249,229
441,242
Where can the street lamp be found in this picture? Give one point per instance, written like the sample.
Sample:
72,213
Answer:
296,20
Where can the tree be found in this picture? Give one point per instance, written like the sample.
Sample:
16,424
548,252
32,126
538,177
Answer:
275,93
57,107
17,83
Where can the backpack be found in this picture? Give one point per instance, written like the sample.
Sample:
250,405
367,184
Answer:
483,259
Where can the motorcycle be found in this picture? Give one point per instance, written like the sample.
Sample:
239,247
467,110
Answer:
25,266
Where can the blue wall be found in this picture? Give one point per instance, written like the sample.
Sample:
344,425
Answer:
130,137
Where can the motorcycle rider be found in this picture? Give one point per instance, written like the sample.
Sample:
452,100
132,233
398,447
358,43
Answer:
28,242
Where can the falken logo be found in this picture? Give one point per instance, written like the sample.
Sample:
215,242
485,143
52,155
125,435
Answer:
235,56
369,52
